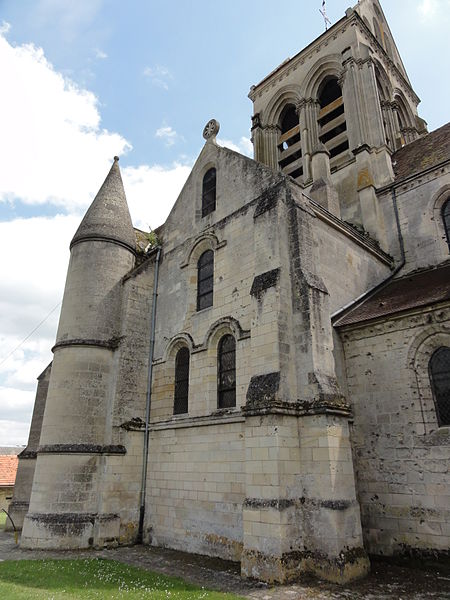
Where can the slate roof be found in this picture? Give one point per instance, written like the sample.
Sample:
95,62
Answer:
426,152
8,469
412,291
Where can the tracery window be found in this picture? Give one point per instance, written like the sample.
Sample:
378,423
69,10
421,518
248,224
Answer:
439,370
205,280
289,143
227,372
209,192
446,220
180,404
332,123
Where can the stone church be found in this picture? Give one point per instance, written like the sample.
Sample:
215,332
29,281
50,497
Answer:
266,378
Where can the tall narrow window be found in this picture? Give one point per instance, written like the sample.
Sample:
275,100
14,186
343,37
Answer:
209,192
205,280
446,219
332,123
440,381
180,404
227,372
289,143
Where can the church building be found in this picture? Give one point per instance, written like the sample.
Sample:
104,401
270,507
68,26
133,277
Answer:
266,377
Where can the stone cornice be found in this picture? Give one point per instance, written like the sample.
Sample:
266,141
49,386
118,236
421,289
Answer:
81,449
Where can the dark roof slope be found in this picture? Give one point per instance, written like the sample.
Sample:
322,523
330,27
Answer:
422,154
412,291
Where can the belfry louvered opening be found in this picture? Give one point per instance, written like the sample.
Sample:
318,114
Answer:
332,124
289,143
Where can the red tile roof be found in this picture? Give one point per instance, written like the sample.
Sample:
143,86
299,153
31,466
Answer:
8,469
412,291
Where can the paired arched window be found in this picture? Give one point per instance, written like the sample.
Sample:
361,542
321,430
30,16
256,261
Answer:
205,280
439,369
180,404
209,192
332,124
446,219
289,143
226,385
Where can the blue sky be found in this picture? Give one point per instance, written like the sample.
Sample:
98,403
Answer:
85,80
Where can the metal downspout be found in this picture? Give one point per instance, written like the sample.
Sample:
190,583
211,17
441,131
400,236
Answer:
148,403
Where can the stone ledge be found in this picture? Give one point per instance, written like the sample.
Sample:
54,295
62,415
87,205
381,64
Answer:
81,449
111,344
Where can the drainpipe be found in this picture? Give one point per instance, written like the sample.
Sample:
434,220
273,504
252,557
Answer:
400,266
149,402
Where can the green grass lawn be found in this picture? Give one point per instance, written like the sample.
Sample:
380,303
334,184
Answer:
92,578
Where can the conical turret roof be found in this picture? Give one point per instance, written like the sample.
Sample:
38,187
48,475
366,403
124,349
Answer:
108,217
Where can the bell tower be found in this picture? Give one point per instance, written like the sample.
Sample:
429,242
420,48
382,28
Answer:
331,116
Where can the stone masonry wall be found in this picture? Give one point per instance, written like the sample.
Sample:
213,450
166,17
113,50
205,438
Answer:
400,453
196,488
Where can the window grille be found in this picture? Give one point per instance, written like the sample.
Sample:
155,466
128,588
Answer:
205,280
227,372
440,382
446,219
180,405
209,192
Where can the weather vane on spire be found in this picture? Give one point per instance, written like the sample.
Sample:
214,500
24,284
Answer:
323,12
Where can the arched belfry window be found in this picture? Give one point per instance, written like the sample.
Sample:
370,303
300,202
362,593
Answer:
205,280
209,192
332,124
289,143
180,404
439,369
446,220
226,388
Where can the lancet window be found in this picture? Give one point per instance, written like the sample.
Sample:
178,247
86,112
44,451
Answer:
439,369
209,192
227,372
205,280
180,405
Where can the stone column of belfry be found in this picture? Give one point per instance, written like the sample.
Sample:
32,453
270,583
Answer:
65,506
366,137
300,514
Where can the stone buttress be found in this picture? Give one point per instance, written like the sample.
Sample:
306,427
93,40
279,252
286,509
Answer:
66,502
300,514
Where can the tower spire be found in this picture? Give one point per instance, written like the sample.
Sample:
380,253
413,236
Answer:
108,217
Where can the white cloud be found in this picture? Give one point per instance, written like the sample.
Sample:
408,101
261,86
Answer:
159,76
152,191
5,28
168,134
244,146
100,54
50,133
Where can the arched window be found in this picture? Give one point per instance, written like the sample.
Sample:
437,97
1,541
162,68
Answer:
332,124
289,143
377,31
226,372
205,280
209,192
180,404
439,369
446,220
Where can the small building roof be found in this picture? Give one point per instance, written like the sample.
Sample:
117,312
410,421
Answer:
426,152
8,469
412,291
